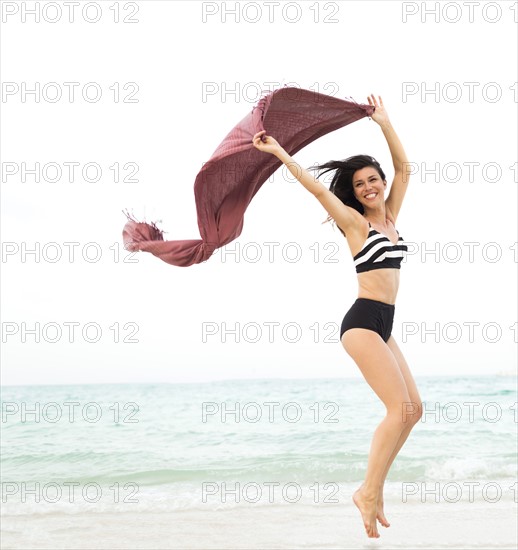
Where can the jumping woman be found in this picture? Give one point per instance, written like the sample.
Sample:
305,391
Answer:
356,202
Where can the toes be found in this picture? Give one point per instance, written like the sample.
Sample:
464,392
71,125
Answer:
372,533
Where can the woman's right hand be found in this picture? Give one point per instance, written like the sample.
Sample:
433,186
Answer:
265,143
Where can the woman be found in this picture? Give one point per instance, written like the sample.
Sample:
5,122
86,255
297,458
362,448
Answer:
356,202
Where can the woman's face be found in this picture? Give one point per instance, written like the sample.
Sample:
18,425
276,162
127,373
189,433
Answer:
368,186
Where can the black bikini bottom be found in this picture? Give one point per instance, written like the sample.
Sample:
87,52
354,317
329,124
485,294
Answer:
370,314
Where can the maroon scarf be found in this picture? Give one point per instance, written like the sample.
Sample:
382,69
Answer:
227,183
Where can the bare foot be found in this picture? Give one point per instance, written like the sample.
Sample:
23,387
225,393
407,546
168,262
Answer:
367,506
380,515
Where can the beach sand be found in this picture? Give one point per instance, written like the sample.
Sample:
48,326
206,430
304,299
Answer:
413,525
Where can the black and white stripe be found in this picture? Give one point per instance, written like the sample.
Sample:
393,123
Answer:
378,252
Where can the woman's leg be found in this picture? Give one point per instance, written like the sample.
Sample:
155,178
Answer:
413,411
381,371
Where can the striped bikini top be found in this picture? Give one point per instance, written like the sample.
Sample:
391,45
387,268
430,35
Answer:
378,252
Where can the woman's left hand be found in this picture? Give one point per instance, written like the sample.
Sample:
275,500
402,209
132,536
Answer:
380,115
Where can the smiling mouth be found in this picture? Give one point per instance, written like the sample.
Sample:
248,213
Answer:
371,196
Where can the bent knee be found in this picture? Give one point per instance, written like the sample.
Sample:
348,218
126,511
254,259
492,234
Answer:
419,413
397,418
405,413
412,412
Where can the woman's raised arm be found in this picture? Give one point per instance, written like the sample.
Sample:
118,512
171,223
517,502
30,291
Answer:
399,158
343,215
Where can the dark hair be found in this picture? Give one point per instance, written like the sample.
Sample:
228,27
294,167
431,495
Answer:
342,182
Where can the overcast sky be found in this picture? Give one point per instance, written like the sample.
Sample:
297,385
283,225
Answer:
174,78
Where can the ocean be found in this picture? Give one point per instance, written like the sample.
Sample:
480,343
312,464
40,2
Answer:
155,466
